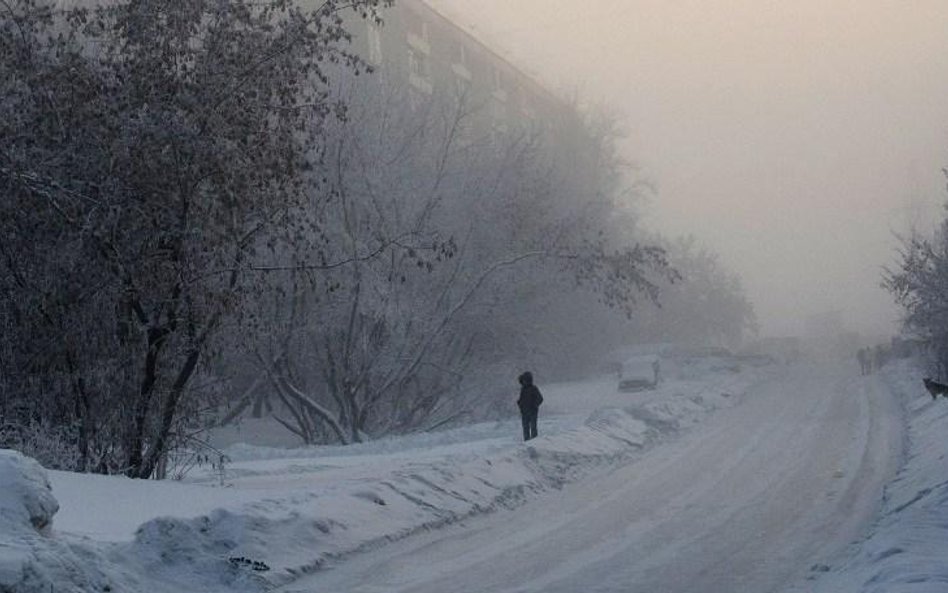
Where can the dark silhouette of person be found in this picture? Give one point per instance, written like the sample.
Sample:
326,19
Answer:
879,357
864,360
529,403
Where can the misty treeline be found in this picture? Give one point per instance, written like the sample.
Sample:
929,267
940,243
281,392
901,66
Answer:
919,283
209,209
706,306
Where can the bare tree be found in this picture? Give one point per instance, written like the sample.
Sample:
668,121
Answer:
155,163
469,222
707,306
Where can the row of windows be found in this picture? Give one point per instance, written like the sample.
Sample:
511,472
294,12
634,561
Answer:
418,53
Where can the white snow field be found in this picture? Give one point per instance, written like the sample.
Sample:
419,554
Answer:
749,500
906,549
621,492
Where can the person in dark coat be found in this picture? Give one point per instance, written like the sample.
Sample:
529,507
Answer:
864,364
529,404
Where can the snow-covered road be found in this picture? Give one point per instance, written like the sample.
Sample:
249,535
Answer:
750,500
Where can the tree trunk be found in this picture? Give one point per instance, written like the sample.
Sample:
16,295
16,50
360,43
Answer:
136,446
157,451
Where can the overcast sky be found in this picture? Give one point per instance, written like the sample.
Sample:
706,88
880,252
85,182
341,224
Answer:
793,137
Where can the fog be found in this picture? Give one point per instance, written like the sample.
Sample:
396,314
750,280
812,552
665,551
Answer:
794,138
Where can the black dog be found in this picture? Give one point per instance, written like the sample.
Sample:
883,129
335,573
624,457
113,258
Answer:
935,388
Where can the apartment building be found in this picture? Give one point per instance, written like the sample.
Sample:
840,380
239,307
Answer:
437,59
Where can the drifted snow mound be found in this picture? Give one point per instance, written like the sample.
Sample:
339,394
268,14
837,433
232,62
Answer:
26,498
31,558
272,542
250,547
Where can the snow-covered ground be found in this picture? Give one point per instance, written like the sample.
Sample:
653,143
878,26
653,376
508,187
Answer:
276,515
751,499
906,549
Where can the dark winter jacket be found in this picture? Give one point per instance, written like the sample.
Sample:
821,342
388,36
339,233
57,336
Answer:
530,397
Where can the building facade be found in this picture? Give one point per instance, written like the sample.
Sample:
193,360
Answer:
436,59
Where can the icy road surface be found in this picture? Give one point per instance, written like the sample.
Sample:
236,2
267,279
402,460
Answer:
753,499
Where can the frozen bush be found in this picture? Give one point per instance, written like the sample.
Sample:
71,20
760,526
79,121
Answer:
52,447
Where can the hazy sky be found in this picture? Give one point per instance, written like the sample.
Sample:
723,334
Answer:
792,137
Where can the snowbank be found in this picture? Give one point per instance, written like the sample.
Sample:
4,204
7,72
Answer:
279,538
905,550
26,498
31,559
275,514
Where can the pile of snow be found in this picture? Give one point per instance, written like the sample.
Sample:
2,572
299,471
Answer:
273,514
26,498
31,559
311,523
905,550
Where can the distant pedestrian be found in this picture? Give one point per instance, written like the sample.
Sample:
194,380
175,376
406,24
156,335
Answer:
529,404
865,363
879,357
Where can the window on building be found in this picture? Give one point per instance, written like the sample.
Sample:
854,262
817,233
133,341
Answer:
374,37
463,82
417,30
419,70
527,111
499,84
498,100
419,53
498,115
462,73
